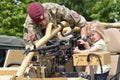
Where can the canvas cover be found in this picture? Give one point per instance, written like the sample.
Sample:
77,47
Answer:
11,42
113,44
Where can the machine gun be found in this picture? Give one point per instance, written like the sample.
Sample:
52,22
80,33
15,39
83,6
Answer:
62,52
58,52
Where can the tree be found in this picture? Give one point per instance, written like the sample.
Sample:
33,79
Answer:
103,10
13,13
106,10
12,16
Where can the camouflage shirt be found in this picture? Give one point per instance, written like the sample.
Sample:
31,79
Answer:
57,13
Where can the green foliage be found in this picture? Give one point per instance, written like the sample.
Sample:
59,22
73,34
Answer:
106,11
103,10
12,16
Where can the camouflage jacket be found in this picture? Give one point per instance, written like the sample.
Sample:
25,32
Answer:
57,13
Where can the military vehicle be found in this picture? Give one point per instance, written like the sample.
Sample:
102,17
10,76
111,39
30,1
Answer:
52,59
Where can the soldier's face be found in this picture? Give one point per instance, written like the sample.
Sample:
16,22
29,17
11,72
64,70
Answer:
45,21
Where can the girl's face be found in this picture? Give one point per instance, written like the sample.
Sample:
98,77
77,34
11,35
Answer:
94,36
45,21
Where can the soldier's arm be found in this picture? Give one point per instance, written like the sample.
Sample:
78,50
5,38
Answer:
28,32
60,11
76,19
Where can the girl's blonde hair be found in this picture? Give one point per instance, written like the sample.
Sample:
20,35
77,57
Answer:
98,27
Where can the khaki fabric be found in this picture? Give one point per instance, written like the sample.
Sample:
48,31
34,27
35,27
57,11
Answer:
14,56
115,65
113,44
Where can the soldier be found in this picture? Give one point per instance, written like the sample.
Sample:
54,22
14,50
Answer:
39,15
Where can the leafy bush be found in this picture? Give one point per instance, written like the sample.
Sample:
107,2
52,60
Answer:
13,14
12,17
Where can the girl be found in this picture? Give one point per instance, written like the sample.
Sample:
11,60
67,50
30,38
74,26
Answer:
98,39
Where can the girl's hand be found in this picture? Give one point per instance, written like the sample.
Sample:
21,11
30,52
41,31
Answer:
80,41
76,50
84,43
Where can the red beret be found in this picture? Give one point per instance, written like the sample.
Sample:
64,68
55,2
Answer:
36,11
